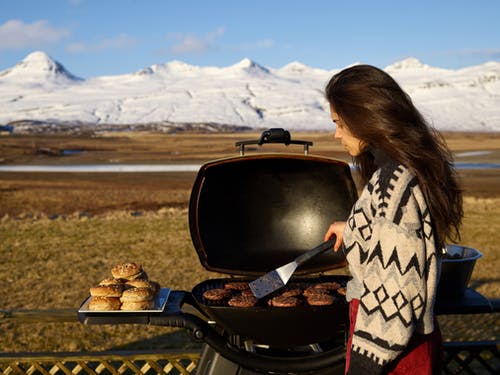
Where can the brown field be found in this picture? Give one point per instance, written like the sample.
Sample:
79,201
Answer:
62,232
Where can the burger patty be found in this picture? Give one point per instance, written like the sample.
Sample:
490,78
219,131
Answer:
281,301
330,285
239,294
242,301
247,293
216,294
291,292
320,300
237,286
313,291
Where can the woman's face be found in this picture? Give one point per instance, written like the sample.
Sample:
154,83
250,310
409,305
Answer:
353,145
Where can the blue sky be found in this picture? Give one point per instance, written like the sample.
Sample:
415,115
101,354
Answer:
107,37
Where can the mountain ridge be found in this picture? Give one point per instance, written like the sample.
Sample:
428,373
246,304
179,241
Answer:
245,94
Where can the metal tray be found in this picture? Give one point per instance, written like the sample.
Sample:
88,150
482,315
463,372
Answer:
160,302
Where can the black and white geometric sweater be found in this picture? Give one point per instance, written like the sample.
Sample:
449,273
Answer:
391,250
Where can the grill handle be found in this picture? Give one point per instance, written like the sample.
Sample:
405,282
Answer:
274,135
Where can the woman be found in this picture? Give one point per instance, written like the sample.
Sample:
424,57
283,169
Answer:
396,232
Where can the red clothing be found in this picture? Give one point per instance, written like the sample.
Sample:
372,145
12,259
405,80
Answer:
421,357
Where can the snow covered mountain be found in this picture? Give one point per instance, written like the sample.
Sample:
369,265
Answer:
38,69
244,94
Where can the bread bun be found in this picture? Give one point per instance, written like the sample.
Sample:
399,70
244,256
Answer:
137,294
127,271
106,290
137,305
142,283
111,281
141,275
129,286
104,303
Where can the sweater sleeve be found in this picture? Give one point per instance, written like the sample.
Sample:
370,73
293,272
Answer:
394,281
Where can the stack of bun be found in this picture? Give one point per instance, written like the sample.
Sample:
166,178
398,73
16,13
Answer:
128,289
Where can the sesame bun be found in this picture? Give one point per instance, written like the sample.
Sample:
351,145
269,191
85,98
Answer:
141,275
137,294
104,303
142,283
106,290
137,305
127,271
111,281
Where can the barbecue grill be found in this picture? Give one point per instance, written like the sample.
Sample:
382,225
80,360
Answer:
249,214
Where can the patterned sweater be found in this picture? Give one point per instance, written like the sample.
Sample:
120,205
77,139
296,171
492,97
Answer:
392,255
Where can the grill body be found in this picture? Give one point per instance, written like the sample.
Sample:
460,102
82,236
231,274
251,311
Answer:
251,214
277,326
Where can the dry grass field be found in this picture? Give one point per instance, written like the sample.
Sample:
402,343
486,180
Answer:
60,233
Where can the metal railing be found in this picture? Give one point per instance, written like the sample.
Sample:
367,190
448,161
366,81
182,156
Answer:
476,357
112,362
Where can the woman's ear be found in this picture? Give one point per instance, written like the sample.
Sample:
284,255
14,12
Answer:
363,146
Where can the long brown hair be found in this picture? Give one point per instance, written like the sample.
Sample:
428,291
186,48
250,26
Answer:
377,111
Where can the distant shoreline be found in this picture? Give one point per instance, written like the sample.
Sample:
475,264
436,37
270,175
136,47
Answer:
141,168
75,128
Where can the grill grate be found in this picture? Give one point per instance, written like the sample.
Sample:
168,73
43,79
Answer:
303,284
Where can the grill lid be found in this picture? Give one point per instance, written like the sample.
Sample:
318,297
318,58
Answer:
251,214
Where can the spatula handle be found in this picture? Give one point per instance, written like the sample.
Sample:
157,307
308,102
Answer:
317,250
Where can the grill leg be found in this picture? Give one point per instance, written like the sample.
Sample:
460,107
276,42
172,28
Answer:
212,363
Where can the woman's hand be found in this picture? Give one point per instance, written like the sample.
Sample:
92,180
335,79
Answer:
337,229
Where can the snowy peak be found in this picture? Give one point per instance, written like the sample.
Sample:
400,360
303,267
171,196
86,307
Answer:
144,72
39,59
40,68
174,67
297,68
409,63
250,67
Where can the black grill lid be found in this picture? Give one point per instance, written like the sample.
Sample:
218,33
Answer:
251,214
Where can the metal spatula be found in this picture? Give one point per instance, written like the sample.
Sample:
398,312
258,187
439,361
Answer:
278,278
